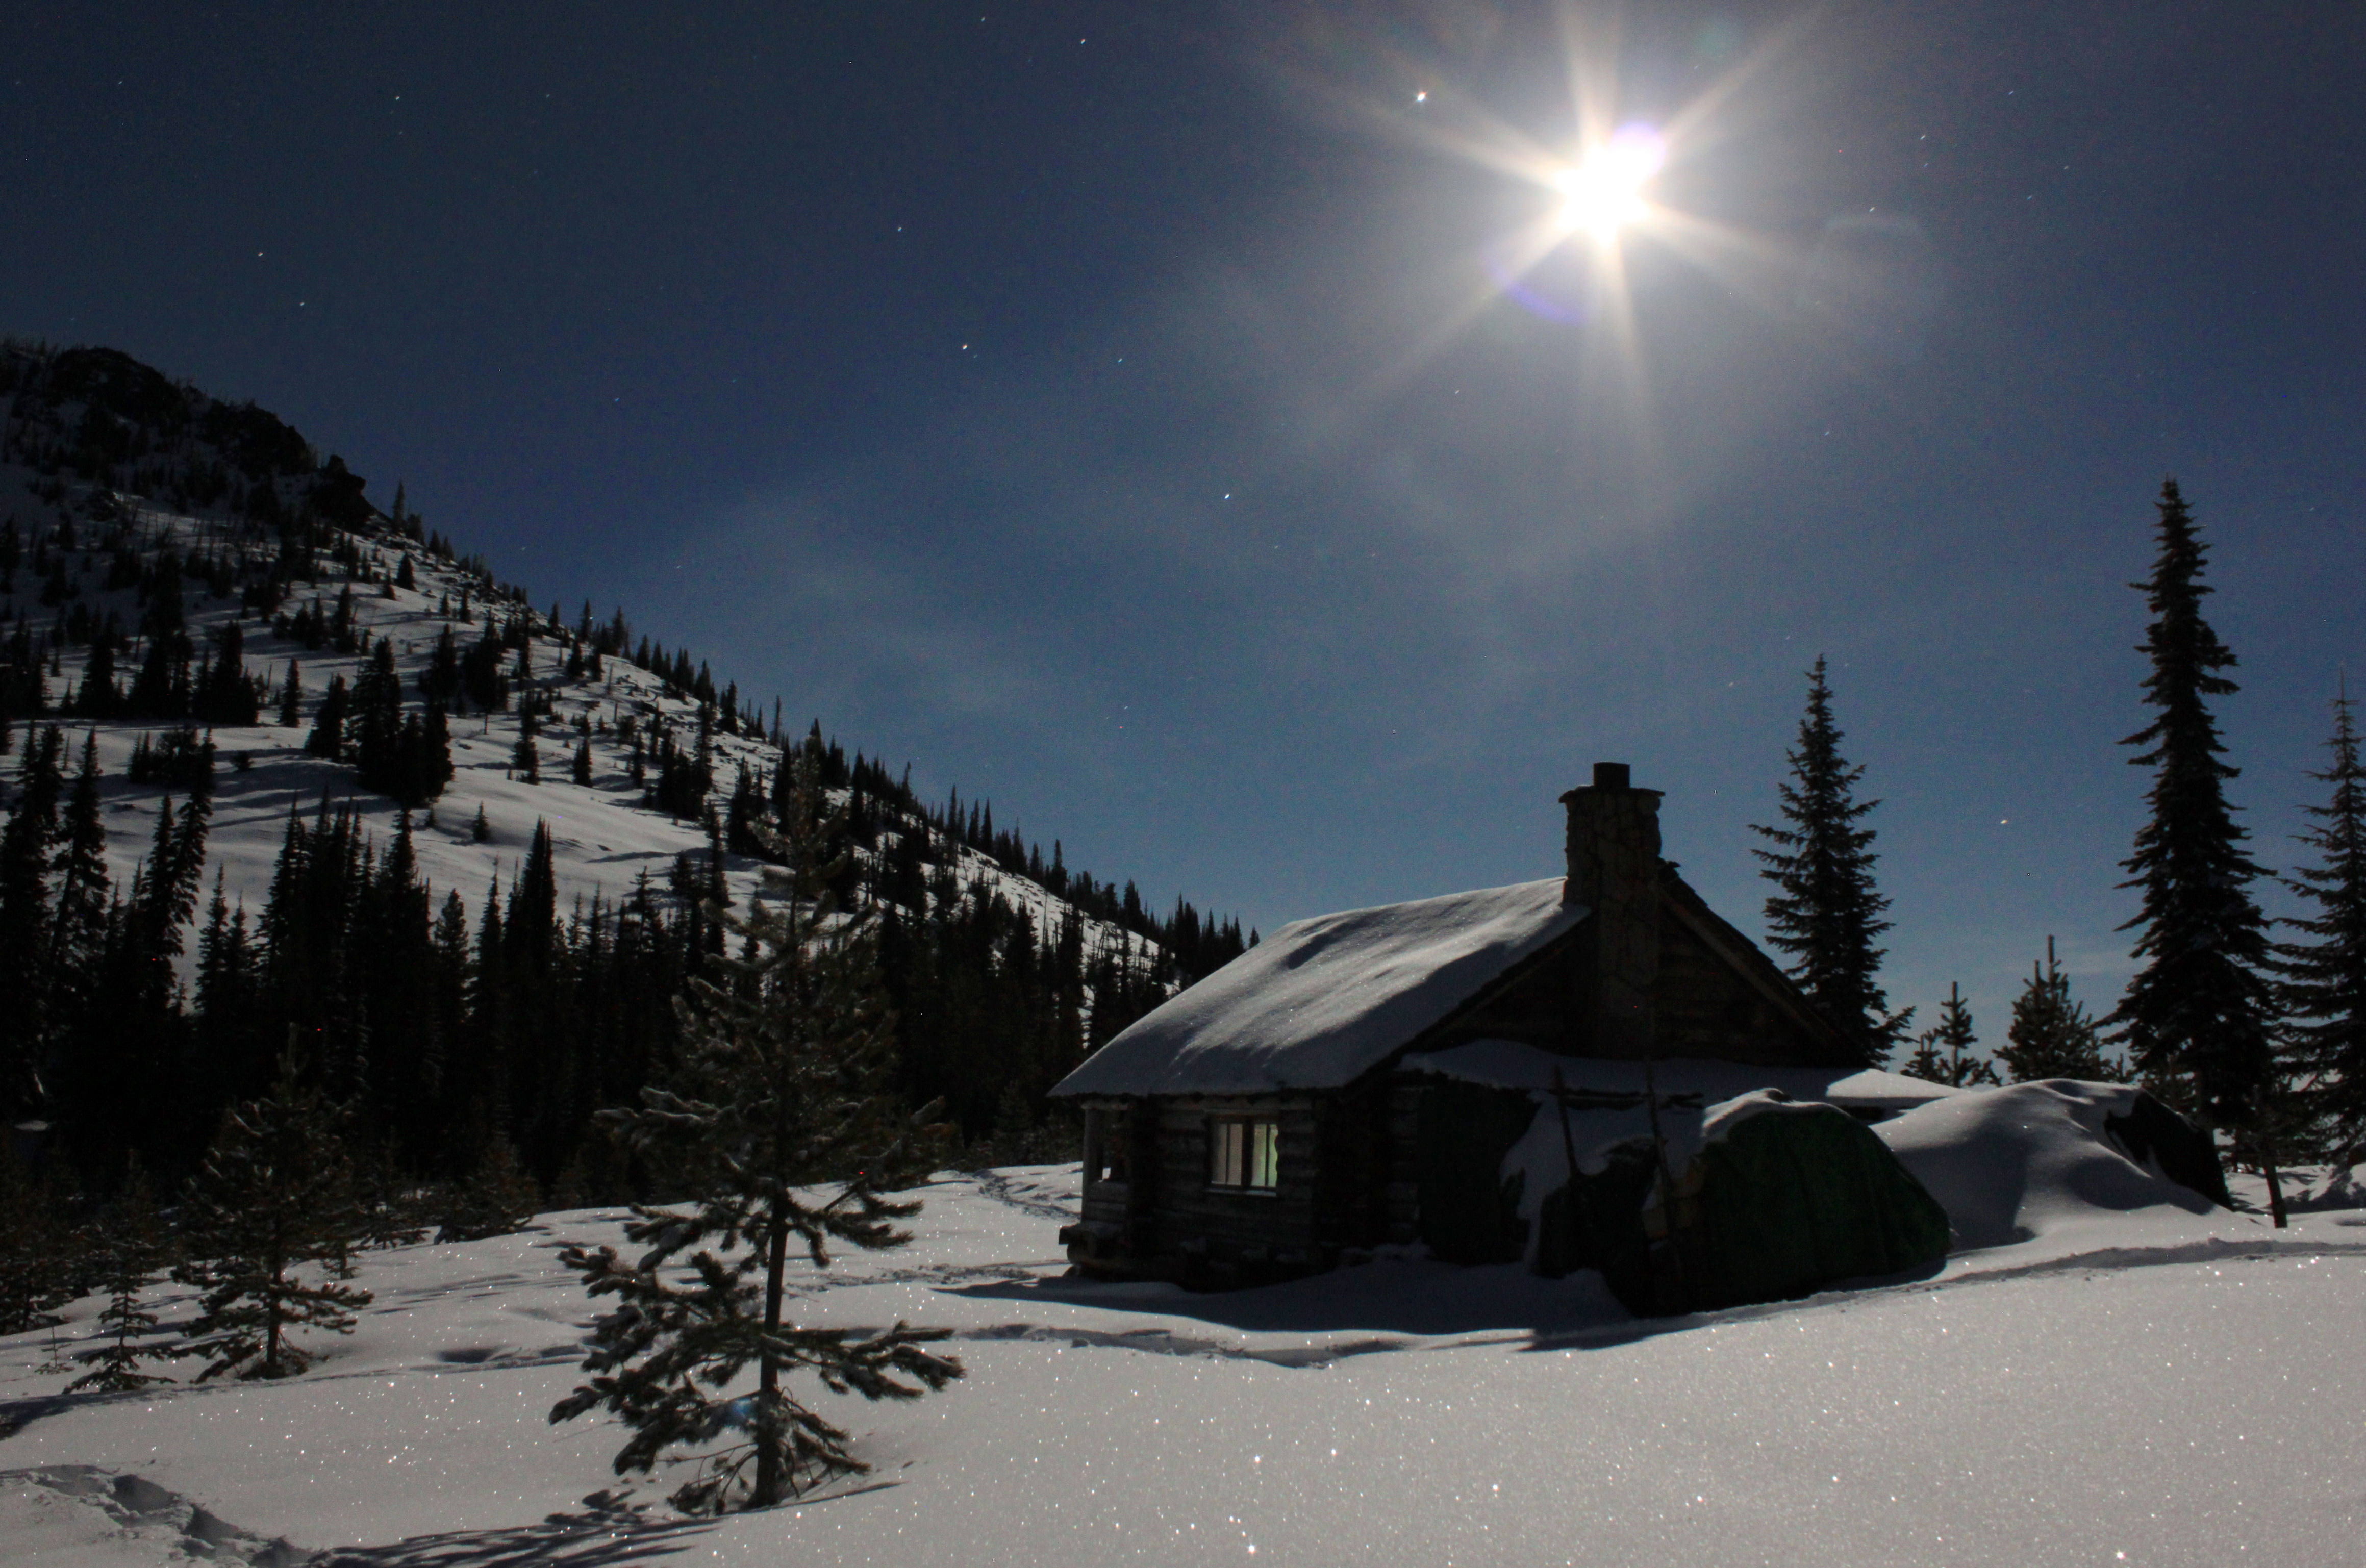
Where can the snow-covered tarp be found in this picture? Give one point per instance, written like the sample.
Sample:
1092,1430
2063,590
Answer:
2015,1163
1508,1064
1323,1001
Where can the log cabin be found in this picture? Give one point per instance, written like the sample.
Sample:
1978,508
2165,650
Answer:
1350,1083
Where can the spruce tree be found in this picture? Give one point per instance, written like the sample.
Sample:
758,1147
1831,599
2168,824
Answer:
783,1091
2051,1035
131,1249
272,1199
2323,980
291,697
38,1266
525,762
26,846
1827,913
497,1198
1943,1053
2196,1015
328,737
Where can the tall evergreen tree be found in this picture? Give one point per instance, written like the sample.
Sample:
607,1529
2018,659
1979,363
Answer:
78,926
2051,1035
2196,1015
2323,980
1826,913
784,1089
1943,1053
273,1198
26,845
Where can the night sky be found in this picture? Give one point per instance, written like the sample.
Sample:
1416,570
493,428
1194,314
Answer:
1165,421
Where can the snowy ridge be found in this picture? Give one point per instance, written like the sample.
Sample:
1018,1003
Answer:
603,835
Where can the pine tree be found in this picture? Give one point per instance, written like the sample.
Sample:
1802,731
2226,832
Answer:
2051,1036
38,1266
2195,1016
583,760
526,762
78,926
1828,913
328,737
1943,1053
497,1198
2323,981
291,697
480,830
131,1249
273,1198
782,1090
26,845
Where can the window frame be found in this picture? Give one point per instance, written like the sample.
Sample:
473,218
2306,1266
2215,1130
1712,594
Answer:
1104,1129
1244,1147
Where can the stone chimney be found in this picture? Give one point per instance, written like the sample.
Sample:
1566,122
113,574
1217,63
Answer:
1613,870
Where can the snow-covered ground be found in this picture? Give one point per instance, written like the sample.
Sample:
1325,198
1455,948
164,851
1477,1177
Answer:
2133,1382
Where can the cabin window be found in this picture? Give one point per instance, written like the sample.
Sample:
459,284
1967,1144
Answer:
1244,1152
1107,1146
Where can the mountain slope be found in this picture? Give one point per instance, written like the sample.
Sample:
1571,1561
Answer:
178,574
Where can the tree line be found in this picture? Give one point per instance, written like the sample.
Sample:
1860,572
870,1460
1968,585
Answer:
2263,1038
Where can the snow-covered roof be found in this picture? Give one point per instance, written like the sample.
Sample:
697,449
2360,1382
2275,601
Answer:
1506,1064
1322,1001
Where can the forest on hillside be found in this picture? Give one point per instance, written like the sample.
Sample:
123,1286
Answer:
461,1027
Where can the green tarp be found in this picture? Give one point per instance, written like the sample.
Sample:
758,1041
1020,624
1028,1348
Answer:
1781,1199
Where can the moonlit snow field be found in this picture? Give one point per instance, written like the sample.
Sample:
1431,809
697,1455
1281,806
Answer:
2144,1385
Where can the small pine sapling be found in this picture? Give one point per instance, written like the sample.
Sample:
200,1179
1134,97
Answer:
782,1097
2051,1035
274,1197
1943,1053
130,1248
497,1198
40,1267
480,830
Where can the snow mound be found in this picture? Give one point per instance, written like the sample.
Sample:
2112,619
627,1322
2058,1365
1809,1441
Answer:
1508,1064
2012,1165
1326,999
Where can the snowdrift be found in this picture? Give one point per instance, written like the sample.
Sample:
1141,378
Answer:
2010,1165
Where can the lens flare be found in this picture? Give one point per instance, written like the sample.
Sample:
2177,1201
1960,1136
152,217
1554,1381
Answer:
1603,193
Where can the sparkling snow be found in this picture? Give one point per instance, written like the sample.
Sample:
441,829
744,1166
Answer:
2132,1384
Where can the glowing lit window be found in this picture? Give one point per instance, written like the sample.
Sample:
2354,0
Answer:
1244,1152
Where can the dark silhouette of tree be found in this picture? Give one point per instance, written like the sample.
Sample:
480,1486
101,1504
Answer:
1943,1054
273,1198
2195,1016
2323,980
2051,1035
785,1090
1826,913
129,1252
